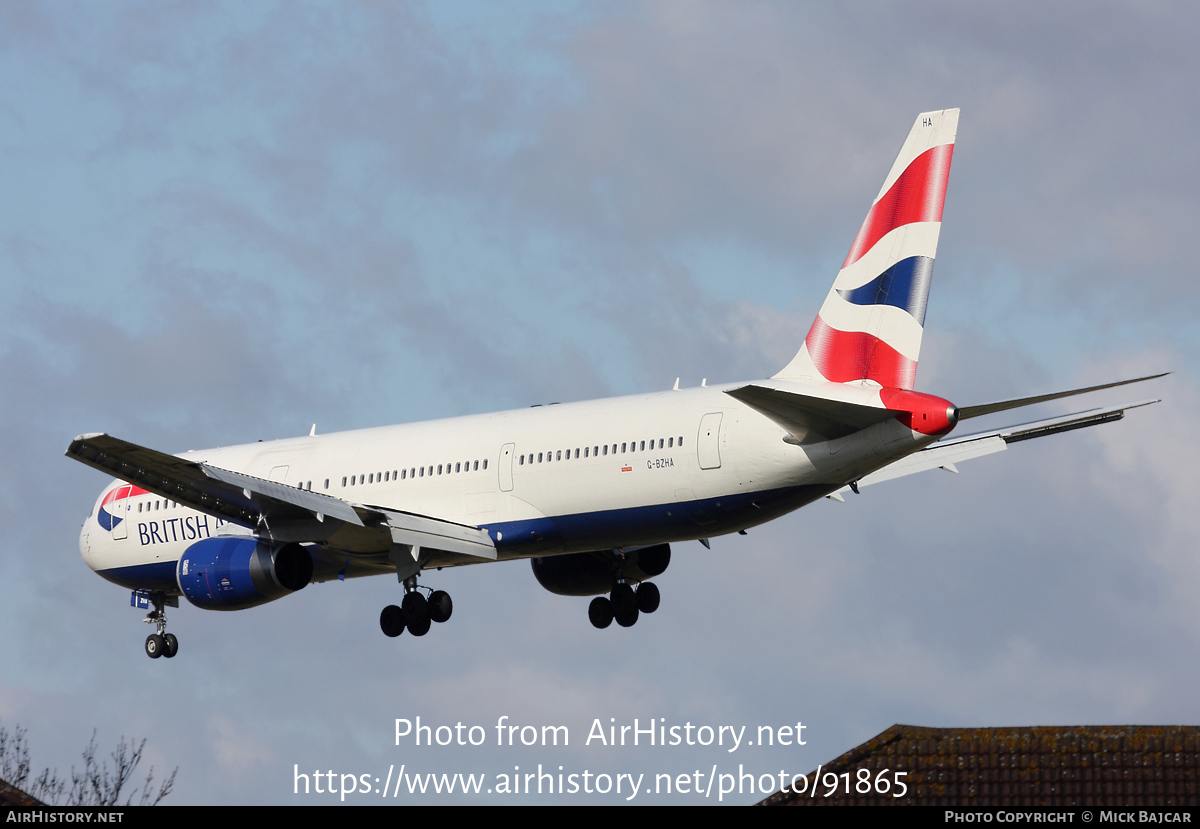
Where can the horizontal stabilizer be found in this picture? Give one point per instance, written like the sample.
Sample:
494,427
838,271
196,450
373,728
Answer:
807,418
945,454
968,412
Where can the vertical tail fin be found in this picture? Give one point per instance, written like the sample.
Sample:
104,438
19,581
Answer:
869,329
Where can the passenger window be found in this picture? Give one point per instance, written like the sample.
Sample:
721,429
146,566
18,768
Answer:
614,449
403,474
439,469
622,449
485,463
606,449
412,473
458,467
371,478
539,457
422,472
660,443
585,451
670,442
643,446
522,460
681,440
327,483
476,466
577,454
343,480
139,506
558,456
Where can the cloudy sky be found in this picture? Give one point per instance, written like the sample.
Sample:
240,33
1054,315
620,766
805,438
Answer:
226,222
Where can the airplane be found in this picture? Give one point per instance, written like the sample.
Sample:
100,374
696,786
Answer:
592,493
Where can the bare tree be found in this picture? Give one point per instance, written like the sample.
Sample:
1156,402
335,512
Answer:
14,757
93,785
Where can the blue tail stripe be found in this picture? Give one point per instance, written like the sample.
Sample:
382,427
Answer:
904,285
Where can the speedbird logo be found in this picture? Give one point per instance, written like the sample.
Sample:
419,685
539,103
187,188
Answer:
116,503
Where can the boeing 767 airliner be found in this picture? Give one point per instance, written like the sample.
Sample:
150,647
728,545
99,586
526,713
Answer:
592,493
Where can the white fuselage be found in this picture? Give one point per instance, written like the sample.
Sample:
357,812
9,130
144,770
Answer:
628,471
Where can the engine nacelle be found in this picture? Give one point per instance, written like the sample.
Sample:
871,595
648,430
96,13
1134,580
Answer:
236,573
592,574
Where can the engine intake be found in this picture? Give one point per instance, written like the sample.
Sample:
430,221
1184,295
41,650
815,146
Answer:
236,573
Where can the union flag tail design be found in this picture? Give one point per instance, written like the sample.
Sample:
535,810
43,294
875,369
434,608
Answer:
869,329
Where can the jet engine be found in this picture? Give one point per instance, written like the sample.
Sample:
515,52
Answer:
236,573
595,573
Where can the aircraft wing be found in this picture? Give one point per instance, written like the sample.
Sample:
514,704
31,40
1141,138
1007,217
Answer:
274,510
944,454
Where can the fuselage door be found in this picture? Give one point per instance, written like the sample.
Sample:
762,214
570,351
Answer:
120,512
505,469
708,442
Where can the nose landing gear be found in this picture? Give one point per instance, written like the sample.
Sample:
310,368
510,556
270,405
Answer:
416,613
161,643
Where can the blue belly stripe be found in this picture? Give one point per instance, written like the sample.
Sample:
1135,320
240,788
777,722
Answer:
579,532
157,576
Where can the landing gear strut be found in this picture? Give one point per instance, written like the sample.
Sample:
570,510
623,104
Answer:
624,604
416,612
161,643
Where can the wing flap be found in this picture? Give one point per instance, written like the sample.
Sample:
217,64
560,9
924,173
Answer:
315,502
433,533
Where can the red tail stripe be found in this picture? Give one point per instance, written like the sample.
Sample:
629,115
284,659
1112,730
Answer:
842,356
917,196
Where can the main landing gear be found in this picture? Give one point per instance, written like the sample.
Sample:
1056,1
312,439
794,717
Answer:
416,612
624,604
161,643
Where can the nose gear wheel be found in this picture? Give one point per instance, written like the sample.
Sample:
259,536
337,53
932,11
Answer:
161,643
